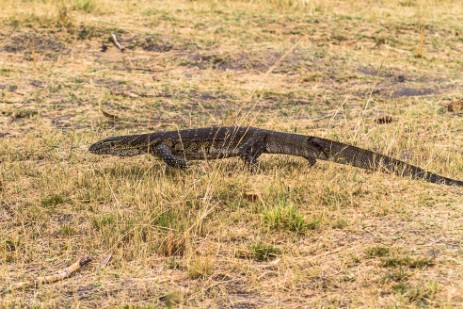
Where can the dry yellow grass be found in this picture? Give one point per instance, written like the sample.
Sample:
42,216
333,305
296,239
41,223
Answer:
216,235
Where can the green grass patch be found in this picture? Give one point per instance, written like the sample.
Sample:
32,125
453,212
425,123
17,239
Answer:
422,295
102,221
377,251
87,6
285,217
407,261
53,200
259,252
167,219
396,275
67,230
401,287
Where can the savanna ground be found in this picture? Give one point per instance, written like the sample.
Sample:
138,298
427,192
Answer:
377,74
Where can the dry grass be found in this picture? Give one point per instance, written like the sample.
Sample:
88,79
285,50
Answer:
215,235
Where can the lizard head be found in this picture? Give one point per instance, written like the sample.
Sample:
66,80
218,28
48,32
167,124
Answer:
124,146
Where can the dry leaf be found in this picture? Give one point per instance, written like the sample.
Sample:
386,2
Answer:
252,196
455,106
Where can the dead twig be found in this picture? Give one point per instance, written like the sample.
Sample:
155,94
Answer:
124,93
109,115
66,273
398,50
116,42
105,261
131,94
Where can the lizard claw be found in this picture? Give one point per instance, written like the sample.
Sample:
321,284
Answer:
253,167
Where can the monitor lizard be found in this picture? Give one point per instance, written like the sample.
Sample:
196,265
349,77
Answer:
175,148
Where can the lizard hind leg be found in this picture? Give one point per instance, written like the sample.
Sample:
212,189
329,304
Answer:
166,155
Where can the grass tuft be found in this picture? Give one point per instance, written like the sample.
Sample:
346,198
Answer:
172,244
64,19
286,217
377,251
396,275
53,200
200,268
259,252
407,261
422,295
87,6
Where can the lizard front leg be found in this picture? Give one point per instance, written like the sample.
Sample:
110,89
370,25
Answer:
314,151
311,160
251,150
166,155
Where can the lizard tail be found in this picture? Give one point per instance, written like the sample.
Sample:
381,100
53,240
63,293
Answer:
358,157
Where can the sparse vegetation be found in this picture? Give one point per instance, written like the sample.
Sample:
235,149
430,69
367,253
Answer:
52,200
407,261
87,6
217,235
287,218
200,268
377,251
259,252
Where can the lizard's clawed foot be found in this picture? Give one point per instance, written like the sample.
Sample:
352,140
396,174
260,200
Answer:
182,164
312,161
253,167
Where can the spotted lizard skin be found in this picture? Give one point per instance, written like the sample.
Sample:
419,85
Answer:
175,148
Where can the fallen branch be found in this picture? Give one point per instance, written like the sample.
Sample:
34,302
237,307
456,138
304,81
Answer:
66,273
116,42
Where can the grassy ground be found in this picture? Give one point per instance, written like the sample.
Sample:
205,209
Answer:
380,75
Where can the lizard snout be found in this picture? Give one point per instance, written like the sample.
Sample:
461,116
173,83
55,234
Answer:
103,146
93,148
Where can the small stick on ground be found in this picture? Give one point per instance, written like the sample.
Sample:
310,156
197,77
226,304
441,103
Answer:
66,273
109,115
116,42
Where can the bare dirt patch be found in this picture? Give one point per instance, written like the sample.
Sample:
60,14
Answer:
28,42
